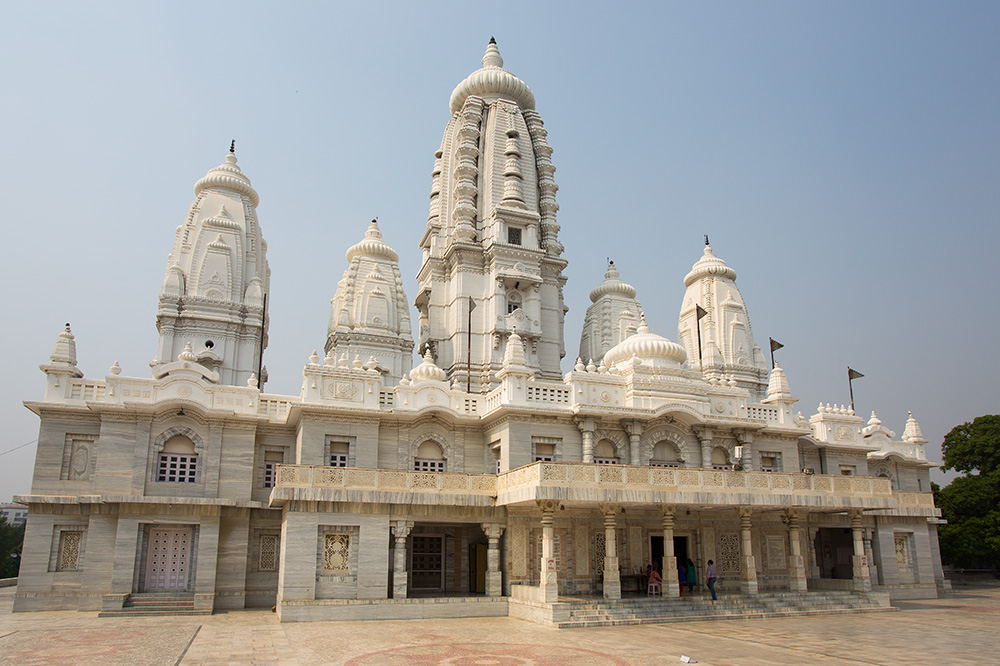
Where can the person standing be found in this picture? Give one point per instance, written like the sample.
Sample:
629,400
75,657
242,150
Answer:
691,575
710,575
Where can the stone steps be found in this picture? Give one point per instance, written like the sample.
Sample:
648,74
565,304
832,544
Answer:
157,603
656,611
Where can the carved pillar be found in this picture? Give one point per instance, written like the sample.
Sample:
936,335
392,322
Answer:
796,564
612,577
400,530
669,570
748,567
813,531
494,578
587,427
862,577
634,430
746,460
550,581
705,437
870,555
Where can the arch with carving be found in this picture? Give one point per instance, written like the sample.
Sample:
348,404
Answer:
687,447
440,440
163,437
616,438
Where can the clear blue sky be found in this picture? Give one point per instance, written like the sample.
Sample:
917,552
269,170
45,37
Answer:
844,157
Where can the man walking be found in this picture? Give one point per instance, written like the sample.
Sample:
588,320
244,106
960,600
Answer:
710,575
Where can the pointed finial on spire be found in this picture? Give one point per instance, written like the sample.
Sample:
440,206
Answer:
706,239
493,40
492,57
232,146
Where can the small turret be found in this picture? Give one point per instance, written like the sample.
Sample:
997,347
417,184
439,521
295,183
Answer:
61,366
612,316
778,389
911,433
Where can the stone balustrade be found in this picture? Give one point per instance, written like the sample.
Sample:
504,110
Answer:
351,484
587,483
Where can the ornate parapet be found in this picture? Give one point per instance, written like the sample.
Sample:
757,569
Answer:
311,483
587,483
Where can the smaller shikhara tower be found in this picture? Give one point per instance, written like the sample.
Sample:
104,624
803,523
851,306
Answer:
215,289
491,255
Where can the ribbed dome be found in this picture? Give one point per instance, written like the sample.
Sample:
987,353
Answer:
372,245
428,370
612,284
492,81
709,265
228,176
649,347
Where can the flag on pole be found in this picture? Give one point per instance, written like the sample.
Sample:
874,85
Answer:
853,374
775,345
700,311
472,304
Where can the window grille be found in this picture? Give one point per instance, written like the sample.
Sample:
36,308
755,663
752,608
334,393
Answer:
513,235
176,468
606,461
544,457
422,465
268,555
337,553
269,471
69,550
663,463
338,460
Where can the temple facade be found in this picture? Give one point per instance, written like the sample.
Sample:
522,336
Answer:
482,481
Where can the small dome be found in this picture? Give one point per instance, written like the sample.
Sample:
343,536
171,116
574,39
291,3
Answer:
492,81
709,265
612,284
228,176
372,245
652,349
428,370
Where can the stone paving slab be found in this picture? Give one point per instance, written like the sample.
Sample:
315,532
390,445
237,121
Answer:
958,629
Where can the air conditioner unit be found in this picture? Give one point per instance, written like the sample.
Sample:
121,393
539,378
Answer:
808,470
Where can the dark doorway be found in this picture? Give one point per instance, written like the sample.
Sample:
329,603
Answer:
834,547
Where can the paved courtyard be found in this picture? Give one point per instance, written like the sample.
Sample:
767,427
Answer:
959,629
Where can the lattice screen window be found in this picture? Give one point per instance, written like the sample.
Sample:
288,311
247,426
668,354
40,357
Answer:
606,461
267,559
337,553
729,553
70,543
513,235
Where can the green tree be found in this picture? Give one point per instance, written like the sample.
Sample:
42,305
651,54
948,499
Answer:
971,503
11,538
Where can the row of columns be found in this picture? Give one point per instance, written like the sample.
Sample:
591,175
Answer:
671,587
634,430
494,577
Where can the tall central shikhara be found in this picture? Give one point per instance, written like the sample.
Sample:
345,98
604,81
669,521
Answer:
491,255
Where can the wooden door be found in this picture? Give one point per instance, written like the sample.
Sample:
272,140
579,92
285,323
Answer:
427,562
168,555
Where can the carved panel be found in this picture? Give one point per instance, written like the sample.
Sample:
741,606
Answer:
453,482
637,475
736,480
582,473
712,478
635,547
776,553
518,551
581,543
337,554
664,477
69,550
610,474
729,553
758,480
424,481
392,479
688,478
267,559
330,476
800,482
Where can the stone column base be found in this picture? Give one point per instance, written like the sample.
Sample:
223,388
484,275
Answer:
861,575
494,584
748,575
669,574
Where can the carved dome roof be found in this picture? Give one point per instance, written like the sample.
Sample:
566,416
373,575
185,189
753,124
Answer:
372,245
228,176
648,347
428,369
612,284
492,81
708,266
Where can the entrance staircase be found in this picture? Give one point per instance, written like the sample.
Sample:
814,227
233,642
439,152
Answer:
640,610
157,603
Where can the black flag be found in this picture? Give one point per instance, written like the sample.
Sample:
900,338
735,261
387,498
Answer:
700,311
775,345
853,374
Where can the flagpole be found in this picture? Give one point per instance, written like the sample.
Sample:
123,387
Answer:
698,324
850,385
772,354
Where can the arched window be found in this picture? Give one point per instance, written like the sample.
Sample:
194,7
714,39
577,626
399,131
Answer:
605,454
178,462
430,458
720,458
513,301
665,455
885,474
